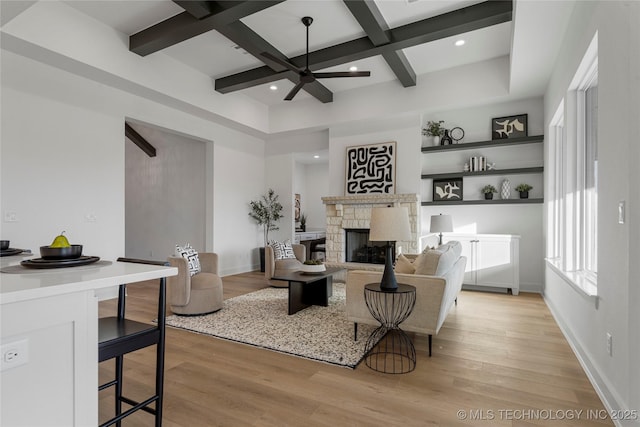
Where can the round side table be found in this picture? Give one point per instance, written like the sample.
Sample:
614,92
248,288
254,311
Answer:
389,348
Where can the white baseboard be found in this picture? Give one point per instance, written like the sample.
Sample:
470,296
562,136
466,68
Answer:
613,403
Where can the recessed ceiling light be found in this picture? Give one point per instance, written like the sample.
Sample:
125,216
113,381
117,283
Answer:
460,42
315,156
273,87
354,68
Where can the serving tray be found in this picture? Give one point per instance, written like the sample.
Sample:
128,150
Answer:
59,263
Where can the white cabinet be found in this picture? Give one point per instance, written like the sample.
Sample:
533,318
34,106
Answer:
493,260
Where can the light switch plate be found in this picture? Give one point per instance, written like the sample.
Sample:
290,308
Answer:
621,212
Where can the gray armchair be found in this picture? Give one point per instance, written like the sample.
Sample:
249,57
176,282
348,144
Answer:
198,294
273,267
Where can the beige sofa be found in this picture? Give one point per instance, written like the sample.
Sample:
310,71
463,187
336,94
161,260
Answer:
435,294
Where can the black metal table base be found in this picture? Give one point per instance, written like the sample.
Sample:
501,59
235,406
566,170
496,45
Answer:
389,348
394,353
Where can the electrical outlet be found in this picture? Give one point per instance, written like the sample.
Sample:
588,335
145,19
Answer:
609,344
621,212
14,354
10,216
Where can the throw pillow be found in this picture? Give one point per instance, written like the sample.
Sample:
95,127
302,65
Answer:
282,250
427,263
191,255
404,265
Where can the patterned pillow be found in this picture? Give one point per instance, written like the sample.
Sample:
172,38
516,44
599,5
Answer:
282,250
190,254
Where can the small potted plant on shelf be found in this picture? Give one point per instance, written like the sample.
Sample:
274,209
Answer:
523,189
488,191
434,129
303,222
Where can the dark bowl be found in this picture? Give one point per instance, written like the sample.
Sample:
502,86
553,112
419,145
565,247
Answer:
4,245
70,252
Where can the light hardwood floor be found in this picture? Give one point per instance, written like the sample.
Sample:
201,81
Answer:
499,360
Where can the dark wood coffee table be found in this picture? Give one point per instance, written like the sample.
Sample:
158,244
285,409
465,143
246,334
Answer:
307,289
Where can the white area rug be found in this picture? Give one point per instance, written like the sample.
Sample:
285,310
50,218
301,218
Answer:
260,319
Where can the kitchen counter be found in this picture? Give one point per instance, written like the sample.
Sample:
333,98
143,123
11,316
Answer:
49,318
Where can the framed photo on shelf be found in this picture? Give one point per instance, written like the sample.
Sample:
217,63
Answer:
447,190
509,127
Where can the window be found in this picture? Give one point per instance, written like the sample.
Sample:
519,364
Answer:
572,211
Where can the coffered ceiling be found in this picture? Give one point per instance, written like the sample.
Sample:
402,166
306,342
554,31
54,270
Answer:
397,40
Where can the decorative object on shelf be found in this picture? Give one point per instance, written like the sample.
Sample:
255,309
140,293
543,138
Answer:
446,139
488,191
524,189
457,133
505,190
303,222
491,166
478,164
466,167
441,224
389,225
371,169
435,130
447,189
509,127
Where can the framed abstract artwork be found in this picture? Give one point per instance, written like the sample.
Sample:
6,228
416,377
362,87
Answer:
509,127
371,169
447,190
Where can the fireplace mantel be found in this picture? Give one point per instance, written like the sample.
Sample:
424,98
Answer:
354,211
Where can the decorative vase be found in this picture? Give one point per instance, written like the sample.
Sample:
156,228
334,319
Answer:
446,139
524,194
505,192
488,196
436,140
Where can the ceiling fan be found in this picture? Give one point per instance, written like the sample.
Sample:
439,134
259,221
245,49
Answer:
306,75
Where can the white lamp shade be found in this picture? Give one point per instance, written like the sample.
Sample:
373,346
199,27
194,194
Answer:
441,223
389,224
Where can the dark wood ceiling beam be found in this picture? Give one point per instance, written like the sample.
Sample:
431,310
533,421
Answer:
197,9
250,41
372,22
460,21
184,26
139,140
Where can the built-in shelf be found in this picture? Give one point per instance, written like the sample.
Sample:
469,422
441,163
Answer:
484,202
480,144
450,175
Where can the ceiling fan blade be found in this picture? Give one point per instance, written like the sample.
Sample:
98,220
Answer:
342,74
280,61
294,91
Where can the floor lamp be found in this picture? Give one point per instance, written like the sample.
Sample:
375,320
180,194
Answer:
441,223
390,225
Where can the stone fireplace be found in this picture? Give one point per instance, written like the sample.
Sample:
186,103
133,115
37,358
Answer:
354,212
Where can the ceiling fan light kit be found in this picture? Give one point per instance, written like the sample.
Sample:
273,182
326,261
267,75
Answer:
306,75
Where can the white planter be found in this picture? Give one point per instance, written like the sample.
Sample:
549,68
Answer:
318,268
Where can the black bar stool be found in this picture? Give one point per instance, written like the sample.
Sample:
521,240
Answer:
118,336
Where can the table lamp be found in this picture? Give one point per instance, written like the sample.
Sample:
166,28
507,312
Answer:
441,223
390,225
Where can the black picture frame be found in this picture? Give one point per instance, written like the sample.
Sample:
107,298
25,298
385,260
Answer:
371,169
509,127
447,190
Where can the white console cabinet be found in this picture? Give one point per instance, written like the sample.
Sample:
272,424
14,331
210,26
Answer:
493,260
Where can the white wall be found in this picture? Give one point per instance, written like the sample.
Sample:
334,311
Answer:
62,157
317,186
585,321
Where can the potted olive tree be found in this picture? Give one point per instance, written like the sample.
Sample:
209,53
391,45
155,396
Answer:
524,189
488,191
266,212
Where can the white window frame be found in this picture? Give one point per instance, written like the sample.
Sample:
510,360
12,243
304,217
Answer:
572,209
